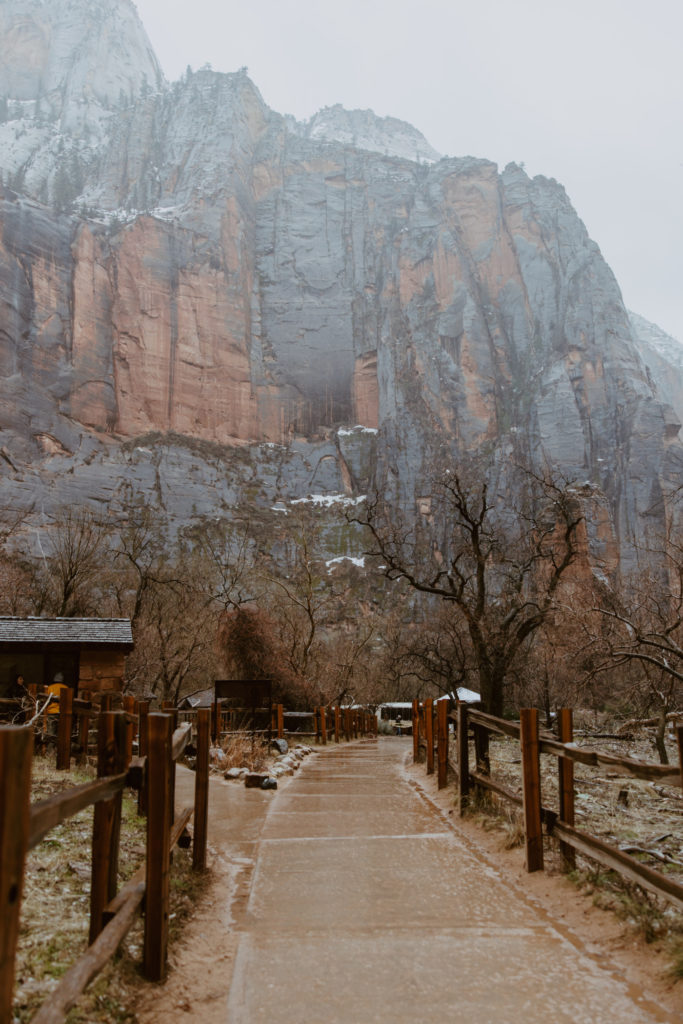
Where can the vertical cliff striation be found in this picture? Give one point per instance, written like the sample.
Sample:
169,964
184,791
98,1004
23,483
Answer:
181,261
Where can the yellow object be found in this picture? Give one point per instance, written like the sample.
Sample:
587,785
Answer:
55,690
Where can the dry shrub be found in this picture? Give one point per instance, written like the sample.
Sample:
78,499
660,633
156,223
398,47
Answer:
251,649
243,750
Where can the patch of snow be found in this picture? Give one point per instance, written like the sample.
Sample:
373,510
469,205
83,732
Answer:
359,562
326,500
469,696
363,129
358,429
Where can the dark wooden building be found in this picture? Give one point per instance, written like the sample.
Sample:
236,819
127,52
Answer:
89,654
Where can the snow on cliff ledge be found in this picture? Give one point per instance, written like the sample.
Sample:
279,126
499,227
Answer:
363,129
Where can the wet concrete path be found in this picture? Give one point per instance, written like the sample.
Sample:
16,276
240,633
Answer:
366,906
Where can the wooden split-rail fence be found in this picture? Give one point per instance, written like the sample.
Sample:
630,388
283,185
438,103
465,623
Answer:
23,825
322,724
431,722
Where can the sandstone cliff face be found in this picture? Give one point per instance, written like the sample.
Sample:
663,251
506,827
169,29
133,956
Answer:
244,280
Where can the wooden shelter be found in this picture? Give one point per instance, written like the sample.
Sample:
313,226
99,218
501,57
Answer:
89,654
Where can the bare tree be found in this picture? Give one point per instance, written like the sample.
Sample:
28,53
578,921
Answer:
498,559
639,634
78,544
230,556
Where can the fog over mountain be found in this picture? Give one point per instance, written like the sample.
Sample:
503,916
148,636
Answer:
204,301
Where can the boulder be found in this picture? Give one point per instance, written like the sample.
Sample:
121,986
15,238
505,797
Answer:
255,780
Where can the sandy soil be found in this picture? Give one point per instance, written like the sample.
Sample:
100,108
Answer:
201,963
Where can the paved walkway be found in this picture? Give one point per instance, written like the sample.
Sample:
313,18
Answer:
365,906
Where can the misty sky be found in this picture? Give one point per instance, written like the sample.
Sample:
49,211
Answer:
586,91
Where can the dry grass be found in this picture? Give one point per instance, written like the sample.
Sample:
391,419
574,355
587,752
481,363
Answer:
243,750
56,905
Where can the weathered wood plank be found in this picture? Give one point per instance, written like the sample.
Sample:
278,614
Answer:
16,751
115,905
201,788
462,738
48,813
429,734
442,743
181,738
666,773
111,760
494,724
78,977
416,731
486,782
566,785
158,845
531,780
620,862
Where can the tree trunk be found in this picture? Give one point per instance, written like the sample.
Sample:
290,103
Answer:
491,683
659,737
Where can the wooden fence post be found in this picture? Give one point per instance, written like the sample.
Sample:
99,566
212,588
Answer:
337,724
323,725
201,790
280,721
84,730
429,734
215,722
481,748
64,727
463,748
143,713
531,777
16,750
442,742
160,734
566,786
416,732
129,707
111,760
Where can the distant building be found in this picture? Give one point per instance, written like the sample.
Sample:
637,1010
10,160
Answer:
89,654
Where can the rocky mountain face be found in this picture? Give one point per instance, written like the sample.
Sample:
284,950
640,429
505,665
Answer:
203,300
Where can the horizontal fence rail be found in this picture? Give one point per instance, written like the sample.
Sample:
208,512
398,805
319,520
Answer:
23,826
161,741
473,724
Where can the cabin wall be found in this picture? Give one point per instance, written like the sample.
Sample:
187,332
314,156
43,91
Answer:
101,670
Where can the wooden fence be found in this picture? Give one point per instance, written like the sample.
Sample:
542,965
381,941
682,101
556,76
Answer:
472,723
323,724
23,825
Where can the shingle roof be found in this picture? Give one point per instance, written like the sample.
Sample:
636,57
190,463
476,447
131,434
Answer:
106,632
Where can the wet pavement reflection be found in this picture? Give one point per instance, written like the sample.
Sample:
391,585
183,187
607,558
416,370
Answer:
366,906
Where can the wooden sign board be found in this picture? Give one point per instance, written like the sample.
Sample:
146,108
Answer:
244,693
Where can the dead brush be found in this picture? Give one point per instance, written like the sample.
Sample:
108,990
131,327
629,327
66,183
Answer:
493,815
244,750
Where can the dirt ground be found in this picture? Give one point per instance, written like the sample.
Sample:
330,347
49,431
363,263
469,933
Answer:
613,942
204,939
201,963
